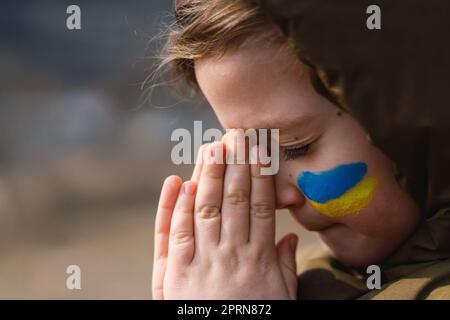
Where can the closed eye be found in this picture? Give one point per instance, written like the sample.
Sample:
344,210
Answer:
294,153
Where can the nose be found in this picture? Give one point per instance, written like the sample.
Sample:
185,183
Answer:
287,193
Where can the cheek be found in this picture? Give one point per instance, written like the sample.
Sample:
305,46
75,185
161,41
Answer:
340,191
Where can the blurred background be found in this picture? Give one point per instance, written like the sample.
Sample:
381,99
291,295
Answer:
83,150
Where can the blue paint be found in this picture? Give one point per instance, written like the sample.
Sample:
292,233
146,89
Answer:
331,184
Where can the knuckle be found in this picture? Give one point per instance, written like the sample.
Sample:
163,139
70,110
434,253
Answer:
237,197
263,259
230,257
234,262
264,265
212,171
182,209
263,210
256,174
208,211
181,237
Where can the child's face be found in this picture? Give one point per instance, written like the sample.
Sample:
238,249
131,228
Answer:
260,87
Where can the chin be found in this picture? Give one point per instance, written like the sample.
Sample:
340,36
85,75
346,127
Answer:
352,248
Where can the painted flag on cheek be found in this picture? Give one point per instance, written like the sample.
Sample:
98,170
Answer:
340,191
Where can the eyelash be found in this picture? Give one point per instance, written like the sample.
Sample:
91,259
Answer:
294,153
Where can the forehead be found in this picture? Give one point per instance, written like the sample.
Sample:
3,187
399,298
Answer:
256,87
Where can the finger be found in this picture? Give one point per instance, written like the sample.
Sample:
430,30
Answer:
235,202
181,242
209,198
199,162
286,249
262,205
167,200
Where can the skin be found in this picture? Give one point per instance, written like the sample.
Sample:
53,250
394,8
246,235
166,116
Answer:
218,241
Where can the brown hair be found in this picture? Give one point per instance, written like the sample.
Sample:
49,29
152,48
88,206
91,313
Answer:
205,28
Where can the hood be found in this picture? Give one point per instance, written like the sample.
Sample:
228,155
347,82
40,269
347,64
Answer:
394,80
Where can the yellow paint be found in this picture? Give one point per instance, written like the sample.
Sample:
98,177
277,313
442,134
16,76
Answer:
351,202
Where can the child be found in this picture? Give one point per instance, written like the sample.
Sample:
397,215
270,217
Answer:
214,234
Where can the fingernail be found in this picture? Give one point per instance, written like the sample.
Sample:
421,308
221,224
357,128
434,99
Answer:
212,152
218,153
189,188
215,153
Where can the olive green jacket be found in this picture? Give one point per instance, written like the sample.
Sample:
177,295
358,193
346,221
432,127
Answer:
419,269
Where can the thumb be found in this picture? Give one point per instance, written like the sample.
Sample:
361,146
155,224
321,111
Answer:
286,249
